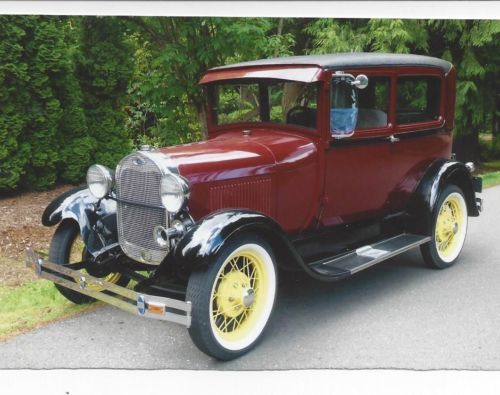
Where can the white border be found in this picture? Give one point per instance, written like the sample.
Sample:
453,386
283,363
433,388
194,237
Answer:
345,382
387,382
300,9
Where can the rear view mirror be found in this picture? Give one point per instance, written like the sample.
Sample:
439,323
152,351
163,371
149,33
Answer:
361,81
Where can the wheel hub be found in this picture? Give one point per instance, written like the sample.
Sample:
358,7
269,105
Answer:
248,297
234,294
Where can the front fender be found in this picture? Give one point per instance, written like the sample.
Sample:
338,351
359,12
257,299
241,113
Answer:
204,240
96,219
439,174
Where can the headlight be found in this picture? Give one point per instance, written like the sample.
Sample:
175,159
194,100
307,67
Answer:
100,180
174,192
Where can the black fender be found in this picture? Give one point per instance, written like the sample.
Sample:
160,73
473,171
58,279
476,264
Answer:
202,242
440,173
96,218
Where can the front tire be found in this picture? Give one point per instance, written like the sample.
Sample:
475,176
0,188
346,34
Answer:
67,247
449,228
233,298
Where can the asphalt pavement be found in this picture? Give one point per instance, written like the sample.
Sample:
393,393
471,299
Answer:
398,314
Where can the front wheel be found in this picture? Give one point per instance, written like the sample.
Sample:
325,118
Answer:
449,227
67,247
233,298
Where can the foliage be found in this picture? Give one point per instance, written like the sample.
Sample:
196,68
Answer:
174,53
41,104
14,153
104,69
78,90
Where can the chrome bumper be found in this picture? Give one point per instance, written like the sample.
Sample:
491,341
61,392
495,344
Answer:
149,306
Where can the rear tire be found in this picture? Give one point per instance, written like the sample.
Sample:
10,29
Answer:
62,251
233,298
449,228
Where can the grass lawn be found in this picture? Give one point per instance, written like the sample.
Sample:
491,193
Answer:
32,304
490,173
491,179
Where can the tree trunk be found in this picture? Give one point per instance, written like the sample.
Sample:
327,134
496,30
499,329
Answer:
278,33
202,117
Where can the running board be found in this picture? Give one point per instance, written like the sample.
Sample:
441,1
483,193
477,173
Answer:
366,256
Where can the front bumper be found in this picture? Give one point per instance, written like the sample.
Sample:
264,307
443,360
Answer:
144,305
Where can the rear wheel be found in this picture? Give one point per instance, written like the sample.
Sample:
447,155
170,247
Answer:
67,247
449,229
233,298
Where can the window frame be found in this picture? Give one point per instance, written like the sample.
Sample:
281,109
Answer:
213,127
422,125
374,131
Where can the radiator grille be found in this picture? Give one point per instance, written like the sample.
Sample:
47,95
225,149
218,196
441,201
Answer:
138,181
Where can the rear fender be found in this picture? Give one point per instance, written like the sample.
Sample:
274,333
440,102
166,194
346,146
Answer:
425,197
96,218
197,248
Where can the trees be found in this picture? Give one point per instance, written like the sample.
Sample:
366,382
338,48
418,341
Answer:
104,68
39,100
174,53
77,90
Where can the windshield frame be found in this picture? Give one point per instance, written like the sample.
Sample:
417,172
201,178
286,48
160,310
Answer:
210,94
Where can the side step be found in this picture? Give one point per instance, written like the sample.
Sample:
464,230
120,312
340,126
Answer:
362,258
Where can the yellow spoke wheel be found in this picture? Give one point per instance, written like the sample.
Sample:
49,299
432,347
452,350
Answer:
450,228
232,300
78,252
66,247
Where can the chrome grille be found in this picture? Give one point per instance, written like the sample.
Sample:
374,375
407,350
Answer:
138,181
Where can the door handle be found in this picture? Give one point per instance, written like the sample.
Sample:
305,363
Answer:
393,139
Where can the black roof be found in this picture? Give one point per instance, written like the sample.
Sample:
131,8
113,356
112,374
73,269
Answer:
351,60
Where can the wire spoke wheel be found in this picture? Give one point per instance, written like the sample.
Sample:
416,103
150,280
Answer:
78,253
66,248
233,299
237,300
450,227
449,231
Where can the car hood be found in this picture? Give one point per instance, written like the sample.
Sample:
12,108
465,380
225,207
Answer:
237,154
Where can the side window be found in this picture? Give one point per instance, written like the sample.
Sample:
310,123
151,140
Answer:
374,104
343,108
418,99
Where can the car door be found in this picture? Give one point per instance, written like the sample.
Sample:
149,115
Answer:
422,136
358,178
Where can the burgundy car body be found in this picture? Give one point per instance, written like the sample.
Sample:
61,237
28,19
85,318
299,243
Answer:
279,160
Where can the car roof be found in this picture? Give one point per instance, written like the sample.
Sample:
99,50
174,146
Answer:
351,60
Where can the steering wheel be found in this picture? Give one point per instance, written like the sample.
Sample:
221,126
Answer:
301,115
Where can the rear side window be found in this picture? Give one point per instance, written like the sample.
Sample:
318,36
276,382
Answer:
418,99
374,103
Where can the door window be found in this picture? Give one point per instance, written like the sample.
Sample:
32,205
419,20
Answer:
374,104
418,99
343,107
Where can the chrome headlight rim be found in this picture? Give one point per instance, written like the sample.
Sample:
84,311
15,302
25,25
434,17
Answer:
174,192
100,180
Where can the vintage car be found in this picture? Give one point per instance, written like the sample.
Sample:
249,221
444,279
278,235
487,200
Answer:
324,164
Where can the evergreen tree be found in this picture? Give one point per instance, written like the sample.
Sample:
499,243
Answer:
104,69
14,77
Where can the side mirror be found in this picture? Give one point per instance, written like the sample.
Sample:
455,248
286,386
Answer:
361,81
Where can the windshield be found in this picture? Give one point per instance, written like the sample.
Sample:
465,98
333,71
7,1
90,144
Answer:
278,101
